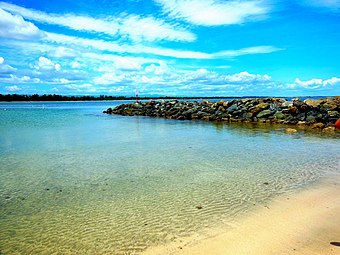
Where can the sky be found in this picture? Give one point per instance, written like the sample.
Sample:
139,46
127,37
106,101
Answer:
170,47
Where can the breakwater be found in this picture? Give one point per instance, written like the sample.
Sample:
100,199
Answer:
313,113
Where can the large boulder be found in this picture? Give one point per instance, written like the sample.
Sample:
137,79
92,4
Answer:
279,115
264,114
260,107
313,103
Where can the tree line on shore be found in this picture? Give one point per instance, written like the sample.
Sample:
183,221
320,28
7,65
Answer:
54,97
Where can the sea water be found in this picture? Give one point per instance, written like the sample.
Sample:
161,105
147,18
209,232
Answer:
76,181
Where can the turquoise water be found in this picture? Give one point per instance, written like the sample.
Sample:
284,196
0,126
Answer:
76,181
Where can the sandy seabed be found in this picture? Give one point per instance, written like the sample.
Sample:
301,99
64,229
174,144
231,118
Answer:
307,223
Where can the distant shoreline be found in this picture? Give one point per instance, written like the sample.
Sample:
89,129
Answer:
62,98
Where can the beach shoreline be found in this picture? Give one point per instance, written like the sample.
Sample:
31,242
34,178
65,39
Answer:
304,222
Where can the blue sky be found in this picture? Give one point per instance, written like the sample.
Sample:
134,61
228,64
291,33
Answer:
170,47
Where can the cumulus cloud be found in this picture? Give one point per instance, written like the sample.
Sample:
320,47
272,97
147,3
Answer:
203,81
126,64
43,71
168,80
115,78
15,27
332,81
245,77
134,27
13,79
315,83
45,64
215,12
62,76
158,69
5,69
77,88
13,88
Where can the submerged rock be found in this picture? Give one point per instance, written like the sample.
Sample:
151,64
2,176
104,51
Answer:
291,130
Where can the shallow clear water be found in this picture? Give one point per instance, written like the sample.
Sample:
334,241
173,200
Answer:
76,181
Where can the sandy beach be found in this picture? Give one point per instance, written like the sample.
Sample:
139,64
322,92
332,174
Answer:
303,223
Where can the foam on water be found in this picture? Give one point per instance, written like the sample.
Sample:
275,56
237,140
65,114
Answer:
75,181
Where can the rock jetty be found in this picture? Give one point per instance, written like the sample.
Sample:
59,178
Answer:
318,113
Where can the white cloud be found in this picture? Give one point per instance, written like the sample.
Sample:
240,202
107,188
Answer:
45,64
61,80
115,58
215,12
134,27
247,51
57,67
44,71
201,75
140,49
73,86
126,64
75,65
152,80
13,88
151,29
332,81
19,80
113,78
80,23
223,67
82,88
245,77
157,69
5,69
62,52
315,83
208,78
167,79
14,26
120,66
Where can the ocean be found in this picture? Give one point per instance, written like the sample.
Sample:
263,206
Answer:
76,181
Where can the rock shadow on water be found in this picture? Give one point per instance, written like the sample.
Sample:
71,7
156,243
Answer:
265,129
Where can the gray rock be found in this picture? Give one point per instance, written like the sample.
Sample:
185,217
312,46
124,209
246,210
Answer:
264,114
287,104
232,108
279,116
323,112
310,119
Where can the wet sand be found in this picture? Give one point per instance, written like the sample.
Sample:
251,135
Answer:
303,223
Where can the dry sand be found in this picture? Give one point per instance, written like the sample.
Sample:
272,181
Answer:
302,223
